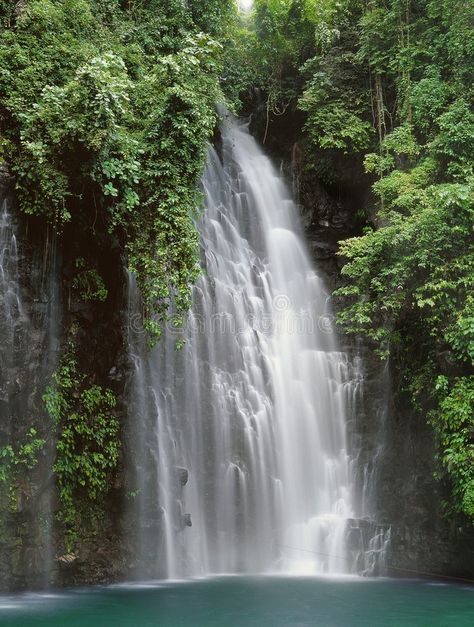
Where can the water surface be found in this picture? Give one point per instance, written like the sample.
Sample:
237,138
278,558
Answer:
246,602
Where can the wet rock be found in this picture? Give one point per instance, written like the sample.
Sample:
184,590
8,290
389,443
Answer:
115,374
183,476
67,559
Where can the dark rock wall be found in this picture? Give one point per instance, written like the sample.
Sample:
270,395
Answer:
27,356
424,539
32,549
103,550
393,446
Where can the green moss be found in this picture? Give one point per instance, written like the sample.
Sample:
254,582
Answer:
16,460
88,283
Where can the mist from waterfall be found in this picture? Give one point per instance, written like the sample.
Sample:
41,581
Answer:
240,452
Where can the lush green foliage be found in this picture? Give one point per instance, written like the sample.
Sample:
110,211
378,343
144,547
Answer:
336,96
15,462
302,54
111,104
282,41
411,279
453,421
88,444
89,283
216,17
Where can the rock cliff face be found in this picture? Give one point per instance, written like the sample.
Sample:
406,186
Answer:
408,497
28,349
38,306
393,446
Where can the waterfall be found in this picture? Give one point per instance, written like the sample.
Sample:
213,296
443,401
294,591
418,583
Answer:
241,461
14,322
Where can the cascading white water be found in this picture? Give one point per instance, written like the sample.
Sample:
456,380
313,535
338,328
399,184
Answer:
241,436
